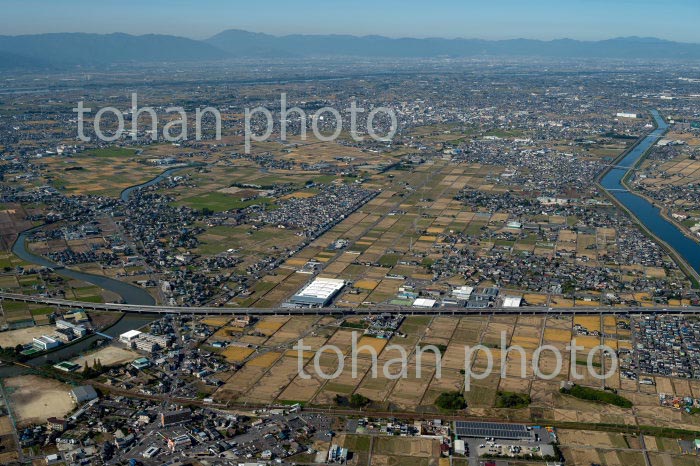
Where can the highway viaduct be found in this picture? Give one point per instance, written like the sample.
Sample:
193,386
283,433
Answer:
365,310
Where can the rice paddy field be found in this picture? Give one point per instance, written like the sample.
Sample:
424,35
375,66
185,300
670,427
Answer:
270,364
400,234
397,235
101,171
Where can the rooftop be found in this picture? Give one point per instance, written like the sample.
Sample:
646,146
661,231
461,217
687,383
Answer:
321,288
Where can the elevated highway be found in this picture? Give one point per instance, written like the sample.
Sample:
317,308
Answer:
291,311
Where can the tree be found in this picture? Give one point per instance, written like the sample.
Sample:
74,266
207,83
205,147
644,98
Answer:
451,401
359,401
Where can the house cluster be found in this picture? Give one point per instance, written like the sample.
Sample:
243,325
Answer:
668,345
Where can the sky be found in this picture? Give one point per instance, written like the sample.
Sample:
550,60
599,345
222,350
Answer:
487,19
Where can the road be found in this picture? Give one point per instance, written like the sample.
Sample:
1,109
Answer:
437,311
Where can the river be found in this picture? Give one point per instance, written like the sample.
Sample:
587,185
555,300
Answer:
644,210
130,294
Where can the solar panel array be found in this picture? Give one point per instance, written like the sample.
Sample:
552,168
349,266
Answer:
491,429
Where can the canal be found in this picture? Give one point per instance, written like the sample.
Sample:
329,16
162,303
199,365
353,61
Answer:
642,209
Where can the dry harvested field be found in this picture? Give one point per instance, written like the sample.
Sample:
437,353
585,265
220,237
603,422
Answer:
102,171
273,367
237,353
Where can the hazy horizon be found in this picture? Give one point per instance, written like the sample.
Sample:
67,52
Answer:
507,19
358,35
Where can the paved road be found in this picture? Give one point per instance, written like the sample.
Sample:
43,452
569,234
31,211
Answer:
134,308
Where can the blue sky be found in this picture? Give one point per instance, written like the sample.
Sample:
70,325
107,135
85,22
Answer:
490,19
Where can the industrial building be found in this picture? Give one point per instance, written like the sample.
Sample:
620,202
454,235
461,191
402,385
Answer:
318,293
463,292
424,303
468,429
337,454
512,301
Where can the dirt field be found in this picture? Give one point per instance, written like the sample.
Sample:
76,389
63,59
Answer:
22,336
109,356
34,398
5,426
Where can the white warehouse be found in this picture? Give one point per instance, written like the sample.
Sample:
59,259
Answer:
319,292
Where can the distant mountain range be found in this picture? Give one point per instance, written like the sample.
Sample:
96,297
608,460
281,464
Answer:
73,49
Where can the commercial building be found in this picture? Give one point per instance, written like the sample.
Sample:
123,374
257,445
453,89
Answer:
180,441
169,418
319,292
460,447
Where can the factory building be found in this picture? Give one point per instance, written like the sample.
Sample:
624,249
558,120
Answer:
318,293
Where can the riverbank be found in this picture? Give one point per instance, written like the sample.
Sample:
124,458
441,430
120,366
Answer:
613,178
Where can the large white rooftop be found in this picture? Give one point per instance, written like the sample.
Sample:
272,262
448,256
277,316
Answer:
424,302
512,301
131,334
322,288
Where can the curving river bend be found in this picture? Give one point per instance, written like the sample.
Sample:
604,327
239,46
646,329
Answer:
130,294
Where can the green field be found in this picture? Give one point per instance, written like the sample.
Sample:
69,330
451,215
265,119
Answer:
111,152
220,202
